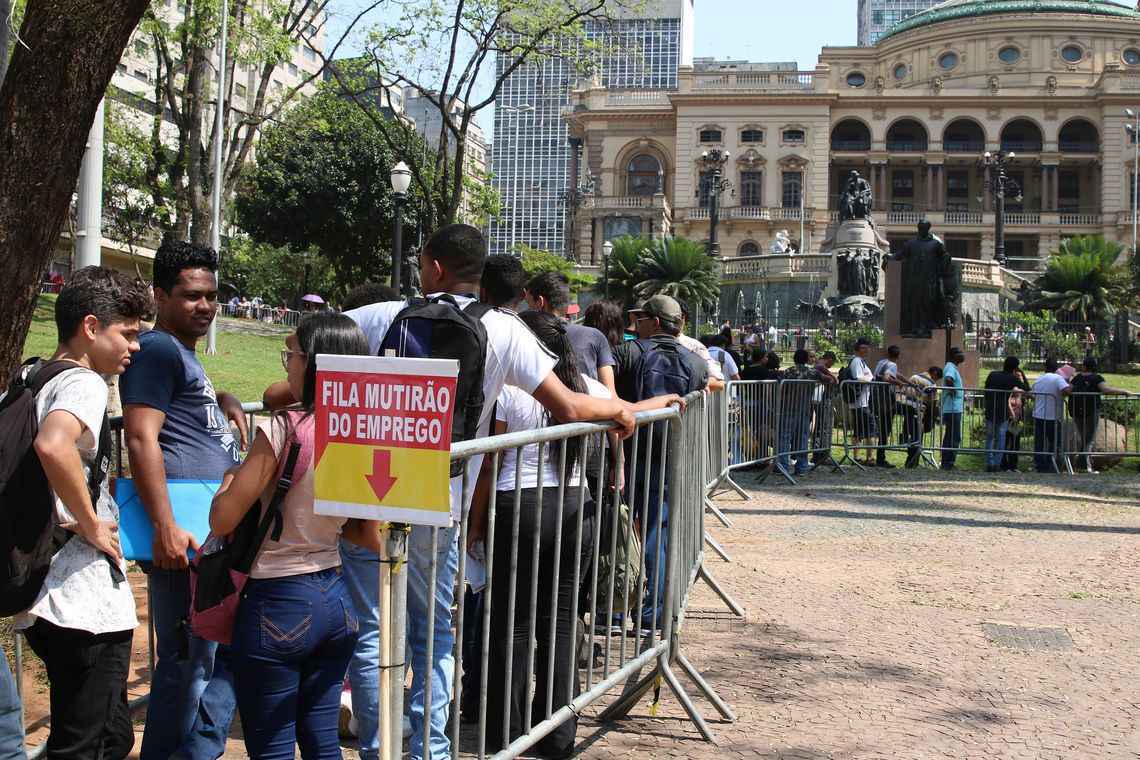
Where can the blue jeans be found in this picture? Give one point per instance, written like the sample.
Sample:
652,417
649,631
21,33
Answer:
656,545
420,596
951,438
362,579
11,727
1045,445
995,441
292,641
192,698
795,435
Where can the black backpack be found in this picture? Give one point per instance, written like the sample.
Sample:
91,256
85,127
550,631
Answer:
850,390
660,370
438,329
28,534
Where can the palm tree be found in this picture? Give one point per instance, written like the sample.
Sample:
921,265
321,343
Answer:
1082,281
624,268
679,268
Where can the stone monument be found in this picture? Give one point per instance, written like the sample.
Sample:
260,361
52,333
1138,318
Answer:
923,305
858,250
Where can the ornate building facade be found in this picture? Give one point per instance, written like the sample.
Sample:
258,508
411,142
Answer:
1047,80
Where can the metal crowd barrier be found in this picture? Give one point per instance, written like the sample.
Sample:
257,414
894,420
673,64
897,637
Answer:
752,423
664,505
1099,427
723,438
270,314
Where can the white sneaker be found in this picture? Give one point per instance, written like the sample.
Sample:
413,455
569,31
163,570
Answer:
407,727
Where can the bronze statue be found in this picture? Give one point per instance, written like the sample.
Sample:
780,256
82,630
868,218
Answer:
855,201
931,285
857,271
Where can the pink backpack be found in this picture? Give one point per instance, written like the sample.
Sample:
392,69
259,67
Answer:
220,570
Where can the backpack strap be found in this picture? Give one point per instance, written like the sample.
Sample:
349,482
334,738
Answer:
272,516
41,372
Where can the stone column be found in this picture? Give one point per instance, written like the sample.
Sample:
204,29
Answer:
987,198
929,187
1056,188
1046,192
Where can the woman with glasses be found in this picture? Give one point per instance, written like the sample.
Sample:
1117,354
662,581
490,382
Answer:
296,628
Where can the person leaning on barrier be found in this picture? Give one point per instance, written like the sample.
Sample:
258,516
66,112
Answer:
541,512
953,400
999,387
1049,392
1084,406
883,401
866,429
797,389
452,263
824,408
920,409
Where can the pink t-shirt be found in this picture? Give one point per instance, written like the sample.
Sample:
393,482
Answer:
308,541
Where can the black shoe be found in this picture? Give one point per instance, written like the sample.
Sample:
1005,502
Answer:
885,464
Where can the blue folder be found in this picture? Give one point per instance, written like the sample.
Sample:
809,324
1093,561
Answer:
190,500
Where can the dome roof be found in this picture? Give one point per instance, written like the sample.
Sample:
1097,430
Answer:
956,9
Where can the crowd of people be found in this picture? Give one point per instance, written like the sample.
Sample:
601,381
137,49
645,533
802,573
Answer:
308,618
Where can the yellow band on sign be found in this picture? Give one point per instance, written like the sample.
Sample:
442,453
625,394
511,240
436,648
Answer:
383,438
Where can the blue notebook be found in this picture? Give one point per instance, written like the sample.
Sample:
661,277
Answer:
190,500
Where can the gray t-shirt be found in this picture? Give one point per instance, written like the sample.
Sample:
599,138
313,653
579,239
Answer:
591,348
196,439
79,591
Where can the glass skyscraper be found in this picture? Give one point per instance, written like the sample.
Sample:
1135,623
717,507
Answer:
877,16
531,161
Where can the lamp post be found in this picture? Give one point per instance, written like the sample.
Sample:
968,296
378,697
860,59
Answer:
401,179
1133,131
1002,186
607,249
518,111
216,191
714,161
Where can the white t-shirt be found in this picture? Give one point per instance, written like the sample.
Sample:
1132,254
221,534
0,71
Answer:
861,372
773,333
514,356
701,350
520,411
79,592
724,359
1047,394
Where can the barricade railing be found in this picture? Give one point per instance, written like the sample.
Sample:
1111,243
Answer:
1098,429
276,315
804,426
718,460
752,409
879,416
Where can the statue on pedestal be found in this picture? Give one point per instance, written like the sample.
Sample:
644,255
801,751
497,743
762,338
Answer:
855,201
781,244
931,285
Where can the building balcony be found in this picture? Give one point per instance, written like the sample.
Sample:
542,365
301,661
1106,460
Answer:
777,267
850,146
748,81
963,146
907,146
1076,146
962,217
636,99
759,213
1080,220
618,201
750,212
1021,146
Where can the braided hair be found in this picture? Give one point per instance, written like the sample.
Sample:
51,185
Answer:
551,332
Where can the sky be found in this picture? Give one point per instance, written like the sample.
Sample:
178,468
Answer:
772,30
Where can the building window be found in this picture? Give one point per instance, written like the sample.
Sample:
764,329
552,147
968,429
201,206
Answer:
856,79
751,188
957,191
1072,53
293,69
1009,54
792,189
310,54
704,189
710,136
1131,56
617,226
641,175
947,61
902,190
752,136
900,71
1068,192
748,249
240,90
794,136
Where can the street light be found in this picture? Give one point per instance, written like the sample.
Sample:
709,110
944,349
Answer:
607,249
216,190
1133,131
401,179
714,161
518,111
1002,186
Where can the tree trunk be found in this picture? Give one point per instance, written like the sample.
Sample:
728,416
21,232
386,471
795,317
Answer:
47,104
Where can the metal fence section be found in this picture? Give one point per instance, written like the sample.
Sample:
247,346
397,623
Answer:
752,410
1099,430
804,426
275,315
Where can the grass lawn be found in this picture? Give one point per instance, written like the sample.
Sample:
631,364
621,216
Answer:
244,365
1124,382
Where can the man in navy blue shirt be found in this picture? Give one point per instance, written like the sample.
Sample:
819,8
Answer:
177,428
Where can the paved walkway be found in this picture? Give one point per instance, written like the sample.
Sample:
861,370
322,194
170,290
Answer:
886,616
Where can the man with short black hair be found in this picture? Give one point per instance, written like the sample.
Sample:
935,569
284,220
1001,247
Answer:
369,292
452,263
178,428
1084,406
550,292
953,405
503,283
82,620
865,425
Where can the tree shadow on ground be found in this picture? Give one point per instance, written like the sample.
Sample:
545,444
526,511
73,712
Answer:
963,522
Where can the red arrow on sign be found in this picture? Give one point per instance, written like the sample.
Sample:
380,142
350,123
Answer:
381,478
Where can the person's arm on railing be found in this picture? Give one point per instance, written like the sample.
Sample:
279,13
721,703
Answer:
481,498
567,406
1108,390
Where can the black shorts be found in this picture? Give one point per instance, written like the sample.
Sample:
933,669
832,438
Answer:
866,426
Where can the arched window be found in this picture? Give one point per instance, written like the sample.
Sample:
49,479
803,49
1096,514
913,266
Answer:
642,175
749,249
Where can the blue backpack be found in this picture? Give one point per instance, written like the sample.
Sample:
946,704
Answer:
661,369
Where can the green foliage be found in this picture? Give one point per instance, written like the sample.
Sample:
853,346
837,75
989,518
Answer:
322,182
679,268
1082,281
535,260
276,274
843,343
128,205
624,273
1041,335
